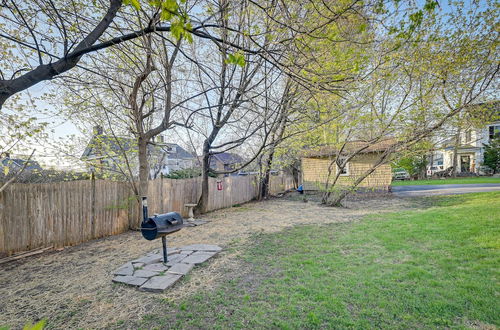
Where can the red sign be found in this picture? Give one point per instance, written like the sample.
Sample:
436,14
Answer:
219,185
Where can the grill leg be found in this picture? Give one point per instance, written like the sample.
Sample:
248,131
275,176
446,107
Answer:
164,243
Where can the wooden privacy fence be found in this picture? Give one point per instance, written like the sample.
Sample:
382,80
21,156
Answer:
60,214
280,183
171,195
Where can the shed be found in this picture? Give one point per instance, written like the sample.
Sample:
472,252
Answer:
315,164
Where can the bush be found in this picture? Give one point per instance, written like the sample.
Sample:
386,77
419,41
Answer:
492,155
187,173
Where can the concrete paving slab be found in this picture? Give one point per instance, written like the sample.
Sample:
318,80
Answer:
176,258
158,267
160,283
130,280
198,257
138,265
202,247
181,268
125,270
145,273
151,259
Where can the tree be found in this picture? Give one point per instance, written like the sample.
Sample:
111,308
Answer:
139,88
414,81
492,155
235,96
46,38
43,39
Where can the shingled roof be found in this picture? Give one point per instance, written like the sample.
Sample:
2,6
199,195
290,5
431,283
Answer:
228,158
351,147
112,146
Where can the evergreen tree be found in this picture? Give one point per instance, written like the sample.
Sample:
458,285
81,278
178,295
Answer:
492,155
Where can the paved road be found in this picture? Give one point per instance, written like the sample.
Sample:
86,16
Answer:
444,189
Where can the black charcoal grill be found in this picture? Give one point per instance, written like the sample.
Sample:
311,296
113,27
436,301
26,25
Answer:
160,225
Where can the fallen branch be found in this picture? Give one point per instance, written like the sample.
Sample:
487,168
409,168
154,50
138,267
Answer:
24,254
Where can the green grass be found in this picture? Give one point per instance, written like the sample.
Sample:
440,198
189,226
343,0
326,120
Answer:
430,268
448,181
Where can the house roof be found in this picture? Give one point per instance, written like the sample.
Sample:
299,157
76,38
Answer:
179,153
351,147
109,143
228,158
112,144
462,146
19,163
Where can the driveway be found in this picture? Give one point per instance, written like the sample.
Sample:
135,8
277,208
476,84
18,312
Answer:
444,189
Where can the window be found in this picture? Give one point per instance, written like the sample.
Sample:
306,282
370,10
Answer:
344,171
494,131
468,136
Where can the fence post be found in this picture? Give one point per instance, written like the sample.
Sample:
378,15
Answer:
92,202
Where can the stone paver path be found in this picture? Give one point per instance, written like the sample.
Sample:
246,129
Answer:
149,273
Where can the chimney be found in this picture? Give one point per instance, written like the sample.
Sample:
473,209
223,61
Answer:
98,130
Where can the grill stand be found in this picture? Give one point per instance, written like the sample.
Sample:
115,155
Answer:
164,243
145,218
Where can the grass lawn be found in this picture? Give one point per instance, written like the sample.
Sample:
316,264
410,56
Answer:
428,268
448,181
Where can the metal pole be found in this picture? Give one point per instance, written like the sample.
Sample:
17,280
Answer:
144,209
164,243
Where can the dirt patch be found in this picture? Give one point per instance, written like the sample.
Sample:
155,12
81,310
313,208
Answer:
73,289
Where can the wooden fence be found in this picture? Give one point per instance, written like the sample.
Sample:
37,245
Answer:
60,214
280,183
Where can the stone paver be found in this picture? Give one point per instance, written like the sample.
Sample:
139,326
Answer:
202,247
151,259
160,283
176,258
170,251
159,267
149,272
181,268
125,270
130,280
198,257
145,273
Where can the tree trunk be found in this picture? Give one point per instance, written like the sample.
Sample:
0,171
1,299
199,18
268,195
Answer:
143,167
455,154
337,200
266,178
295,175
205,166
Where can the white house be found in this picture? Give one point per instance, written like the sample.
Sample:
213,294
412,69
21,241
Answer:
108,152
470,152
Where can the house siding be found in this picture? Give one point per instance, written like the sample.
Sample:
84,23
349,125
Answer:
315,172
474,148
